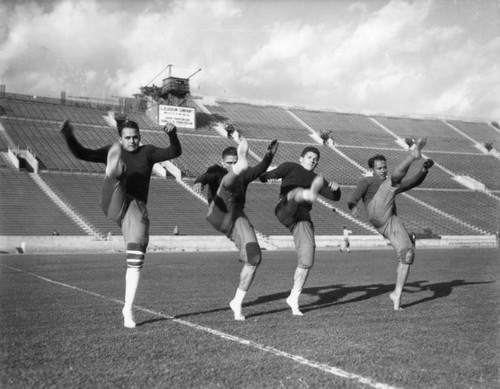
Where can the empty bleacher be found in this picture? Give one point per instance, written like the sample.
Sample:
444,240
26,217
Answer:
347,129
481,132
441,136
53,112
25,210
262,122
45,141
473,207
483,168
35,125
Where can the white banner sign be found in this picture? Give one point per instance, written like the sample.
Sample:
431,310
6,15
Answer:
180,116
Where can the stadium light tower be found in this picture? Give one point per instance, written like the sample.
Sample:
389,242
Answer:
175,90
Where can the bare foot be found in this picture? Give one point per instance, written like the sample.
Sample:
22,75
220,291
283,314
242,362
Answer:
416,151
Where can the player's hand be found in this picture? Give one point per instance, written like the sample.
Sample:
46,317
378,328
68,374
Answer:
67,129
198,188
333,185
273,147
170,128
355,212
262,178
428,164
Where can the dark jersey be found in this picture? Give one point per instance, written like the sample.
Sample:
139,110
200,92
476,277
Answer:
294,175
214,174
212,177
139,164
368,186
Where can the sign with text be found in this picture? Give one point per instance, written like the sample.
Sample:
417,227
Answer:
180,116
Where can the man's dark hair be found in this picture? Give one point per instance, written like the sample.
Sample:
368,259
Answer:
127,124
378,157
231,150
311,149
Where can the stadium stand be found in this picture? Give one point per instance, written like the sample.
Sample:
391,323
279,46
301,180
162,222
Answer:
441,204
347,129
483,168
82,195
52,111
261,122
170,204
27,211
45,141
444,138
480,132
473,207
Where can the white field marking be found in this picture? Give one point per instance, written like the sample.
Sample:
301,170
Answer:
296,358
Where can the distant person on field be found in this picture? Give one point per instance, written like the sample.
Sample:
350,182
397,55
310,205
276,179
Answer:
346,246
300,188
378,194
55,232
125,191
227,196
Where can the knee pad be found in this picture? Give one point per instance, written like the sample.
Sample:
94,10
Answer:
135,255
254,254
407,256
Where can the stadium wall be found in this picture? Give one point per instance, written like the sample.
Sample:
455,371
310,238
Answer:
88,244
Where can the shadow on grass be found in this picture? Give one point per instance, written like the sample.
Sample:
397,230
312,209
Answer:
439,289
334,294
338,294
150,321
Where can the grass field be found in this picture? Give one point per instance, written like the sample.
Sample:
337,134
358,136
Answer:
61,324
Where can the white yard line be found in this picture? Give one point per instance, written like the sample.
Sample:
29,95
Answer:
271,350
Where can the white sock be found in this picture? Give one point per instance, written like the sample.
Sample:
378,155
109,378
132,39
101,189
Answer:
293,301
236,302
131,282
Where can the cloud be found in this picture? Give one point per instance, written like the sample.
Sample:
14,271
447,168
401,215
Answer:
421,56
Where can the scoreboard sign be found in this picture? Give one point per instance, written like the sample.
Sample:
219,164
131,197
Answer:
180,116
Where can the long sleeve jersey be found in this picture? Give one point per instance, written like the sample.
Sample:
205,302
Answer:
214,174
368,187
139,164
212,177
294,175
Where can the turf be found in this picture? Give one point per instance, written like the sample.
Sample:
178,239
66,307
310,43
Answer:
61,324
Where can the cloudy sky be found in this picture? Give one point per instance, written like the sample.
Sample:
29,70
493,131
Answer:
424,57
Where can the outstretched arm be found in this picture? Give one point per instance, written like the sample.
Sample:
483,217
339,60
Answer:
171,152
254,172
418,178
357,195
80,152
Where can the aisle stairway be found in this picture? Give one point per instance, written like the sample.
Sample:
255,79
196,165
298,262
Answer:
78,219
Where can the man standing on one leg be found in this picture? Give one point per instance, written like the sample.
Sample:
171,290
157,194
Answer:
226,209
378,194
300,188
125,192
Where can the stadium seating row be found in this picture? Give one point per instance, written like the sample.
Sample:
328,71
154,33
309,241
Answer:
34,125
